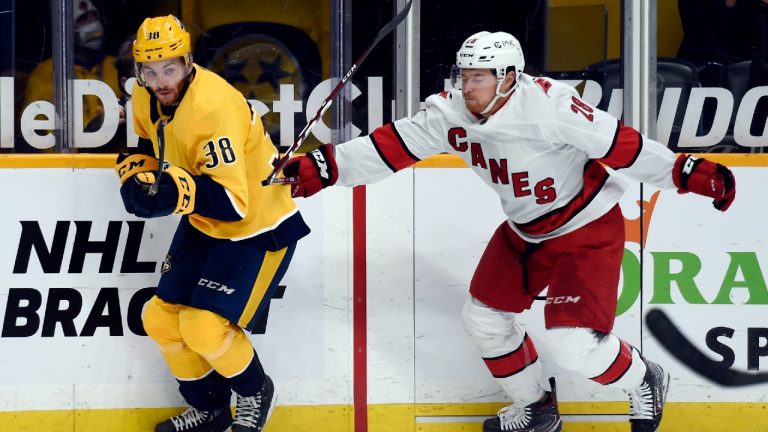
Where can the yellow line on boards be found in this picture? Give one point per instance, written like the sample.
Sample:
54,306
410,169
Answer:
737,159
51,160
678,416
314,418
107,160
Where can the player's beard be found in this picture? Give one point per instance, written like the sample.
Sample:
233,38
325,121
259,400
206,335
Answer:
171,95
168,96
477,97
474,106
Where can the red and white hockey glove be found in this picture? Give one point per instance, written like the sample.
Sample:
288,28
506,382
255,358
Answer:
704,177
314,171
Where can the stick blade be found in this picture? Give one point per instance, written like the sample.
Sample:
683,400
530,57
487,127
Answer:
674,341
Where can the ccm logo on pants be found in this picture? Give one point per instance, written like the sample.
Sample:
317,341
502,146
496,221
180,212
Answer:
215,285
563,299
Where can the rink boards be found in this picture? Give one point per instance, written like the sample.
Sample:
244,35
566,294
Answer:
355,335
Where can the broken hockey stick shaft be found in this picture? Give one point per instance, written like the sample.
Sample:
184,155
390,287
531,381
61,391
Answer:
152,191
272,178
675,342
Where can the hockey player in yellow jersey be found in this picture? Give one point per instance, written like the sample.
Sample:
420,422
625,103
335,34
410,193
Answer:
235,239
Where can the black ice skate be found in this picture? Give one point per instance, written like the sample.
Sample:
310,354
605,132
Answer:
646,402
252,412
193,420
541,416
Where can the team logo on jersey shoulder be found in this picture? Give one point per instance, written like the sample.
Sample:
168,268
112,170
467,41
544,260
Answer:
166,267
444,94
544,84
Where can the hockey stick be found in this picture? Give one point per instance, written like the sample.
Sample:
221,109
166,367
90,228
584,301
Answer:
161,149
272,178
674,341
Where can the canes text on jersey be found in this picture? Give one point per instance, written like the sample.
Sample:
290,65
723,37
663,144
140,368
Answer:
543,190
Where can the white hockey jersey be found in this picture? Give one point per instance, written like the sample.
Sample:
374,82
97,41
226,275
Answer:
545,153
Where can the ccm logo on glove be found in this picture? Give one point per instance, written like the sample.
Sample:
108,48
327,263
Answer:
321,166
313,171
175,194
128,165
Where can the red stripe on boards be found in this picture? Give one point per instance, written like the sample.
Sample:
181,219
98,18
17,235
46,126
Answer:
359,311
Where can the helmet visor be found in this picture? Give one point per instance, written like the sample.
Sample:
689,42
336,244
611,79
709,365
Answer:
161,73
464,78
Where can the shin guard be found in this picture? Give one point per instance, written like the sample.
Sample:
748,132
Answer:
601,357
506,349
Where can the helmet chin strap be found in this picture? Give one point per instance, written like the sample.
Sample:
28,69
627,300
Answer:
499,94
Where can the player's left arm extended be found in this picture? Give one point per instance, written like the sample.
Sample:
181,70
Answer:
626,150
655,164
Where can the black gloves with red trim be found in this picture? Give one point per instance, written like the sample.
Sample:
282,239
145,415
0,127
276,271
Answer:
703,177
312,172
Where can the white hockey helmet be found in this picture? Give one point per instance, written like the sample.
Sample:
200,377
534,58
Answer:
485,50
498,51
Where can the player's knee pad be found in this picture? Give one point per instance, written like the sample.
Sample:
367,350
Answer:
161,322
581,349
216,339
495,332
206,333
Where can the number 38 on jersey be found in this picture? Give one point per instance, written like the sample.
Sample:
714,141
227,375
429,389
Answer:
219,151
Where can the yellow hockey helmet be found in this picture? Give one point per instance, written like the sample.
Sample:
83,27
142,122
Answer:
161,38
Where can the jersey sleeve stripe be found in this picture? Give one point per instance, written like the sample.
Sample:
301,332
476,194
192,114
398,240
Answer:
615,139
595,177
391,148
513,362
214,200
626,147
380,153
618,368
233,202
402,142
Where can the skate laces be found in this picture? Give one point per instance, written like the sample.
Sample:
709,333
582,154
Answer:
641,405
248,411
646,401
511,418
189,419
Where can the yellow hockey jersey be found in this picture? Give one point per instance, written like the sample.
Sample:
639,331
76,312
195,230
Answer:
214,132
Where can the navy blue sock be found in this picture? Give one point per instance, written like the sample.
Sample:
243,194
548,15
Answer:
208,393
249,381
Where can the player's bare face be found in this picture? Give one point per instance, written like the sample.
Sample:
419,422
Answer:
165,78
478,86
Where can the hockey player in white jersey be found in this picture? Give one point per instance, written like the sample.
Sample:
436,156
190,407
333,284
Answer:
545,152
